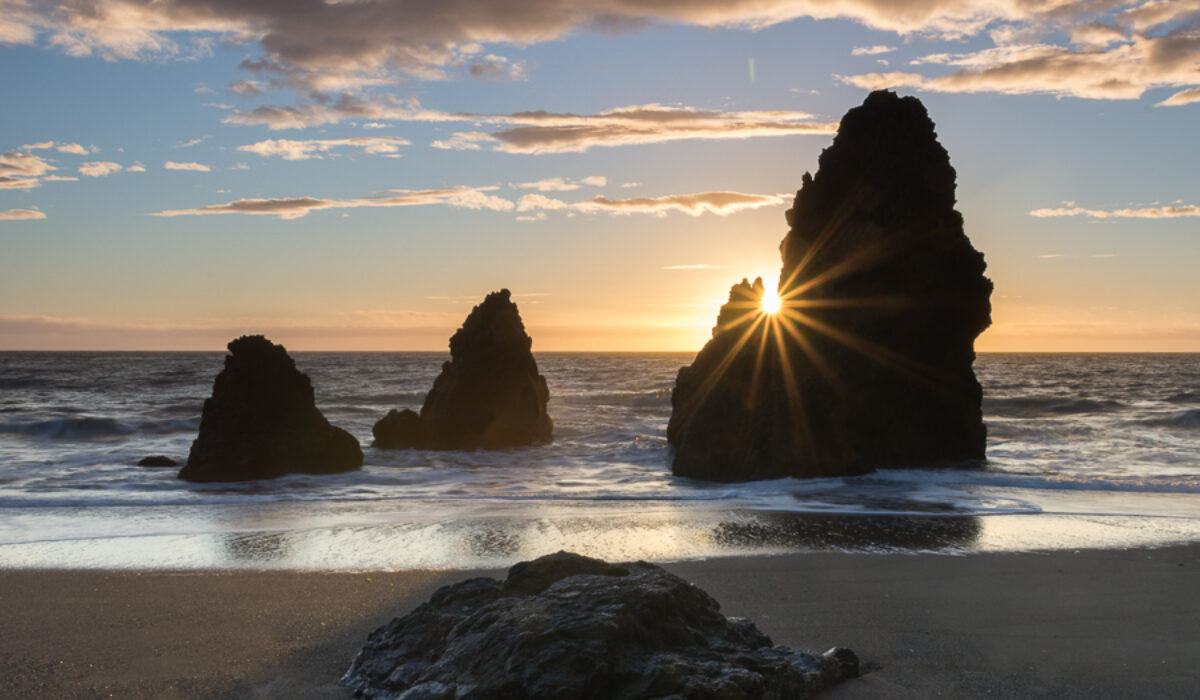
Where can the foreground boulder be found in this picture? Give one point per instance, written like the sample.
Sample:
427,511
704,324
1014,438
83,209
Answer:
489,395
262,422
868,363
566,626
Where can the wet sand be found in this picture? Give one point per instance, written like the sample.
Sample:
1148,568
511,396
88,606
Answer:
1090,624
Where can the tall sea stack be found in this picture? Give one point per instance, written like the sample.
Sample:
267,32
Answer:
262,422
488,396
868,363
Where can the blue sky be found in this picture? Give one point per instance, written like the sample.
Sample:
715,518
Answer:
411,160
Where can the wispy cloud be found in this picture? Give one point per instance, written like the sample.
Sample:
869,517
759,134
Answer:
694,267
187,165
1163,212
558,184
872,50
539,132
21,215
720,203
192,142
247,87
461,197
71,148
99,168
313,148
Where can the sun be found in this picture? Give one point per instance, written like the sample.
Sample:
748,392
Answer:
771,301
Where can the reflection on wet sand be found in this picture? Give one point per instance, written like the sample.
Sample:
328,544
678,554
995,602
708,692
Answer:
850,532
257,547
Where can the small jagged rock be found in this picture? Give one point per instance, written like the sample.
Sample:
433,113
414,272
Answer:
399,429
488,396
262,422
157,461
868,364
567,626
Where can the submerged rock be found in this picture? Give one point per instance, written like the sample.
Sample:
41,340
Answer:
566,626
868,364
262,422
157,461
489,395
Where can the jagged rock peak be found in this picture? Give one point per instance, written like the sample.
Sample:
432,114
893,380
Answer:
869,365
489,395
262,422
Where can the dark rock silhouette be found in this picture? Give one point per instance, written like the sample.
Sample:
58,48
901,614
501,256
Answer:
262,422
157,461
489,395
868,365
566,626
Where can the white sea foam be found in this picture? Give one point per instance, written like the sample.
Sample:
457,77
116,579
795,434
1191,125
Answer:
1106,443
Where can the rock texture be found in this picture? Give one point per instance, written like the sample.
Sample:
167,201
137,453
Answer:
566,626
262,422
868,365
157,461
489,395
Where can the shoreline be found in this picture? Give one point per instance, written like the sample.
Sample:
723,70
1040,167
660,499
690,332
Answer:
1105,623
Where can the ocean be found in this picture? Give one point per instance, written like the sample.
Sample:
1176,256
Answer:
1084,451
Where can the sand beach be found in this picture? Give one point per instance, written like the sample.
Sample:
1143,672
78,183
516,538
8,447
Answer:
1083,624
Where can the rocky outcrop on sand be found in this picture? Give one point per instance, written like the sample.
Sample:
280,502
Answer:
868,364
262,422
566,626
488,396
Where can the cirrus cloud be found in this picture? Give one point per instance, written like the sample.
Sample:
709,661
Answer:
99,168
289,149
719,203
187,165
21,215
1172,211
460,197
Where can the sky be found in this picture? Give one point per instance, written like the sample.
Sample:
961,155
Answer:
357,174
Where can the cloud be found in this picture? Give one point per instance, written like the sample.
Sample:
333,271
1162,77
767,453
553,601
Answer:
1121,47
192,142
495,68
21,215
99,168
720,203
333,45
247,87
558,184
1112,62
192,166
1048,256
312,148
872,50
59,178
694,267
1167,212
7,182
23,165
460,197
72,148
136,168
538,132
546,132
1183,97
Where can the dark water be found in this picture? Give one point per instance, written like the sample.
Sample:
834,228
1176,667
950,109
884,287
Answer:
1084,451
